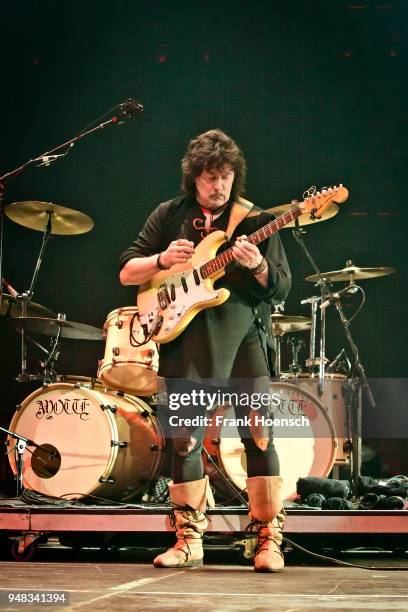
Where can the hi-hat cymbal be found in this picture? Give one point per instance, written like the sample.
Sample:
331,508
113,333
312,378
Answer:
352,273
50,327
34,214
11,307
284,324
304,219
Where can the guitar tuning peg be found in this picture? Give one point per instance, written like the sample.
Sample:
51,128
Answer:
341,185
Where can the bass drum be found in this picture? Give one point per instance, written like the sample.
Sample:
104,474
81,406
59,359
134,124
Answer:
126,366
93,442
332,400
303,450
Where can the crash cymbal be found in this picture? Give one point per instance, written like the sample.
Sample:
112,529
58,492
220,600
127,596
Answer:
284,324
50,327
34,214
304,219
11,307
352,273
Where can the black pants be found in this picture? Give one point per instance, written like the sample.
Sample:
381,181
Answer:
249,378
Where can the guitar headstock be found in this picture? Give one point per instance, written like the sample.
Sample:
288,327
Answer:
316,202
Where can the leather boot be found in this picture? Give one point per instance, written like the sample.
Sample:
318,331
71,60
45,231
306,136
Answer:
268,515
189,501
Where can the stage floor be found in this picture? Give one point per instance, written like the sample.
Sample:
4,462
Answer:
100,557
122,580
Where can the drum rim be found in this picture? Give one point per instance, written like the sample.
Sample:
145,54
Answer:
313,376
121,309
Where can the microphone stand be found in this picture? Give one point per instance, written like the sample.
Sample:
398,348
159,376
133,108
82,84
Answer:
355,384
19,448
130,109
360,384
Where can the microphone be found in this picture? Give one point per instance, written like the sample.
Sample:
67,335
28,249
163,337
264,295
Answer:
130,109
334,297
46,160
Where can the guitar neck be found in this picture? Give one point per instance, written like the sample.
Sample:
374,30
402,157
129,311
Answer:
212,267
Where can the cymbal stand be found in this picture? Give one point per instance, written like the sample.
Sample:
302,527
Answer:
26,298
296,344
313,301
49,374
278,349
297,233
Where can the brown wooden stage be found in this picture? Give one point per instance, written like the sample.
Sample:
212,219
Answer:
131,524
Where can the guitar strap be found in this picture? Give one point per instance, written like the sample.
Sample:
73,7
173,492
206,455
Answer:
239,210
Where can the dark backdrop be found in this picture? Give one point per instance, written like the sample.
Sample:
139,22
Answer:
314,91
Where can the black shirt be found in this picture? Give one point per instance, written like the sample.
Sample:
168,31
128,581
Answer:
209,345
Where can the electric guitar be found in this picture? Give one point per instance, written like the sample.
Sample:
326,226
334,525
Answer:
172,298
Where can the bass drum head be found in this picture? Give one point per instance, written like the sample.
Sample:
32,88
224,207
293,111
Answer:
93,443
306,451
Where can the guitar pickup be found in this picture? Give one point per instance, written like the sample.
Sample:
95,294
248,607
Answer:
184,284
196,277
163,296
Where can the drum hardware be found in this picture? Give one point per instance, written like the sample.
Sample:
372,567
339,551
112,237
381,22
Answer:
112,407
51,219
322,281
296,344
282,324
340,364
358,380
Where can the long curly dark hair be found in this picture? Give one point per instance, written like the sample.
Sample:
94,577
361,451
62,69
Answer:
211,150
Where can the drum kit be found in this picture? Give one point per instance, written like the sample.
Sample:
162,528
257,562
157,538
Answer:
102,437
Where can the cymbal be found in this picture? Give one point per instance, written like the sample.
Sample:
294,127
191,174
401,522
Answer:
283,324
304,219
352,273
11,307
50,327
34,214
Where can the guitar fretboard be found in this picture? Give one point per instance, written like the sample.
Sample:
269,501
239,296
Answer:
226,257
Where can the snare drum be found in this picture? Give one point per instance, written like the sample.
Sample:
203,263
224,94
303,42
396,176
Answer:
94,442
126,366
310,451
332,400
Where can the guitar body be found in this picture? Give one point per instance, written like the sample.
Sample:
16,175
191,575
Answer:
172,298
188,292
